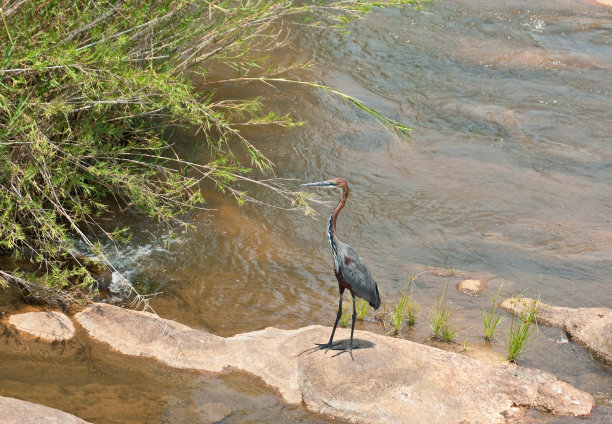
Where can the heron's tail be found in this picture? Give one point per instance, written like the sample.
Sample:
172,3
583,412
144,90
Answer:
375,303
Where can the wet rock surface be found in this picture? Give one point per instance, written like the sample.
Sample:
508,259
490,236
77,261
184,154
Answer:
472,283
471,287
16,411
391,380
607,3
48,326
589,326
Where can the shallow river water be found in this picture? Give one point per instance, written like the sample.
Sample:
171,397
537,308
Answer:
508,172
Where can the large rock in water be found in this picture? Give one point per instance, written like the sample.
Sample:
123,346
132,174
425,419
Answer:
16,411
589,326
390,381
49,326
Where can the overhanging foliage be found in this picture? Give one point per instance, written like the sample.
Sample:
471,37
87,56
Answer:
86,91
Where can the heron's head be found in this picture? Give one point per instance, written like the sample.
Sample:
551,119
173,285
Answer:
332,182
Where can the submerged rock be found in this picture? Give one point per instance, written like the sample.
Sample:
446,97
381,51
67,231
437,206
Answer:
49,326
589,326
471,286
471,283
391,380
452,272
16,411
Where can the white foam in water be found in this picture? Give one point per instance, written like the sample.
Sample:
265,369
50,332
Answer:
119,285
535,24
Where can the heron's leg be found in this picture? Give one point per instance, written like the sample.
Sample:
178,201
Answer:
328,345
338,315
352,327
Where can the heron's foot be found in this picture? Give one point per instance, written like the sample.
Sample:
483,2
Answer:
326,346
340,346
349,350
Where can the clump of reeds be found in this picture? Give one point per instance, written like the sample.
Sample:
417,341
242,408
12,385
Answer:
441,326
398,314
345,318
491,318
520,329
405,310
362,309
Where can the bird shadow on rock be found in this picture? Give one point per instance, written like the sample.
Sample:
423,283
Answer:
340,345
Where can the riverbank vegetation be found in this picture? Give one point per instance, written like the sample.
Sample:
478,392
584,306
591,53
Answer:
492,317
441,326
405,310
88,92
521,328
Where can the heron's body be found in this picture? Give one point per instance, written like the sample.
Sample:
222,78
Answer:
351,271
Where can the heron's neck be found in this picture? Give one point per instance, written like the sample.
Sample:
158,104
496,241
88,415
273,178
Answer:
331,228
334,216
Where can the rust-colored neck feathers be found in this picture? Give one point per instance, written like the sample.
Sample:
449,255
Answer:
334,217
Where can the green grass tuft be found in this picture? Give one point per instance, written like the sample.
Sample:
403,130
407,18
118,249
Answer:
398,314
405,309
441,326
346,316
520,329
362,309
492,317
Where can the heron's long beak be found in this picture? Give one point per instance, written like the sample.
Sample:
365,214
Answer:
321,184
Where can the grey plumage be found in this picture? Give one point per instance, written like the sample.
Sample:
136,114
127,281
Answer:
356,273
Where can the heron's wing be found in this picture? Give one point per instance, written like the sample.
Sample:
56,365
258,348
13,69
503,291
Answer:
357,274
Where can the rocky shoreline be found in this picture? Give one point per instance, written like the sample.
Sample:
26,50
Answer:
391,380
591,327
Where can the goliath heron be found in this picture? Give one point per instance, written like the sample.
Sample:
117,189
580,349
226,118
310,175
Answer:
351,271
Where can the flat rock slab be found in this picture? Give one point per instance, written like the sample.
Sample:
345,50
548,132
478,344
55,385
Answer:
49,326
390,381
589,326
16,411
